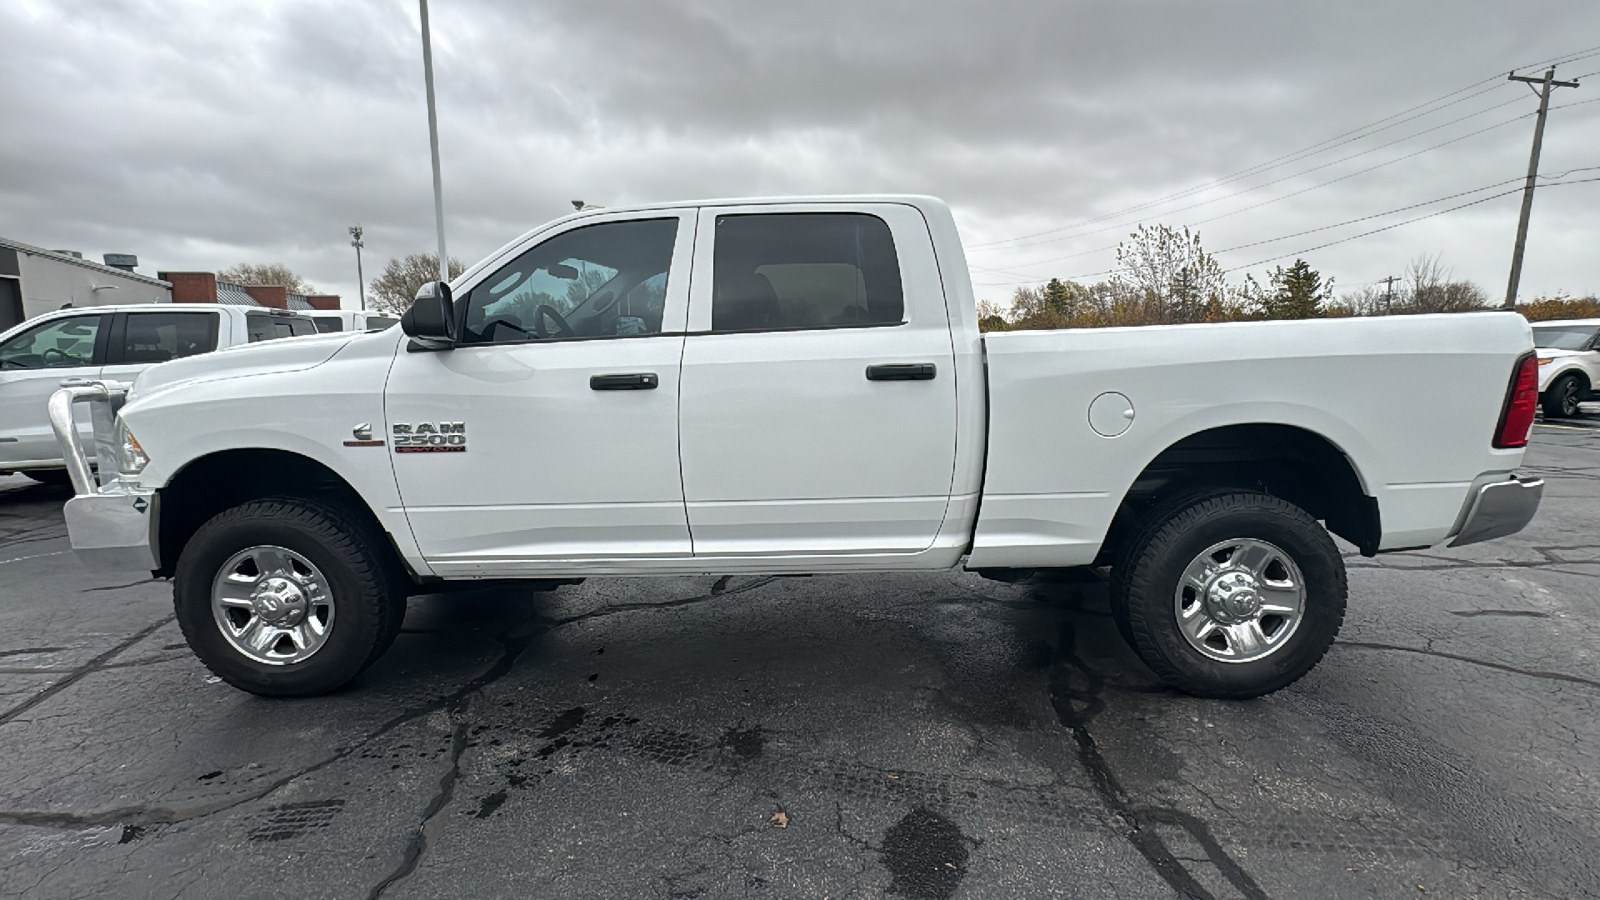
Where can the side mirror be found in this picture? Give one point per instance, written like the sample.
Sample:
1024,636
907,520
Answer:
431,320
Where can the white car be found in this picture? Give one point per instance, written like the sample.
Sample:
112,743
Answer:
1569,363
76,346
331,320
815,398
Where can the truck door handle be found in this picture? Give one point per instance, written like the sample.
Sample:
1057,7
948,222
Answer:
633,381
901,372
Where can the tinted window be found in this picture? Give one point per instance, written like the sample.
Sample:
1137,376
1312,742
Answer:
804,270
601,280
1563,338
56,344
327,324
268,327
158,337
379,323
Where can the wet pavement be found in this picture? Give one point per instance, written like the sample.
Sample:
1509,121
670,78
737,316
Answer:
923,736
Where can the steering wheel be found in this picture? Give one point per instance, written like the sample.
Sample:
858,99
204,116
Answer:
489,326
59,356
545,312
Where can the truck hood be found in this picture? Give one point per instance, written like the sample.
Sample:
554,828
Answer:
267,357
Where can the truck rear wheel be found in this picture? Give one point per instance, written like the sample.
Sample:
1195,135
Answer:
287,597
1234,595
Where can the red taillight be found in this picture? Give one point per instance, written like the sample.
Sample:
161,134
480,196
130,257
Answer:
1516,420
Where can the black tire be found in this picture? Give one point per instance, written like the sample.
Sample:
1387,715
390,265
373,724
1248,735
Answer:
1144,586
1560,400
52,477
368,595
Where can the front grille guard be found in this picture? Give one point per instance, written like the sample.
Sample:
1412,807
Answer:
105,399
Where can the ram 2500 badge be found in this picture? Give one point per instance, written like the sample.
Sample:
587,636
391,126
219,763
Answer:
816,398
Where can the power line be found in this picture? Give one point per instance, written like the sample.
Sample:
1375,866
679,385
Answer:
1363,234
1304,190
1350,222
1353,134
1310,150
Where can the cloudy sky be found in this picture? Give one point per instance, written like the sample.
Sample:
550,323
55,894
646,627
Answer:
198,135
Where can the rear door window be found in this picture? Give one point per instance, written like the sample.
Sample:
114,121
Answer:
784,271
327,324
153,337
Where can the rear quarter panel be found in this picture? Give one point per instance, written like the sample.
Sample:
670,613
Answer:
1412,401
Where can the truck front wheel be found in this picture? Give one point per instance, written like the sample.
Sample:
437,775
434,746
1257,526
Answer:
1234,595
286,597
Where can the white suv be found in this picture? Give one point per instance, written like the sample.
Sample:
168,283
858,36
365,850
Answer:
1569,364
115,343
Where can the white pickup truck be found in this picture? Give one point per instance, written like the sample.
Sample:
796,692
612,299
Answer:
793,386
116,343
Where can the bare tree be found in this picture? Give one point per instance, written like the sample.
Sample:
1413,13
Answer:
269,274
1429,289
1170,275
396,287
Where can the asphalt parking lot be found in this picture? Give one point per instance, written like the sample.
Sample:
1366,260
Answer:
925,736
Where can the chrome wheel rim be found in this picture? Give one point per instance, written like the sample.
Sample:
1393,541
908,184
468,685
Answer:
1240,600
272,605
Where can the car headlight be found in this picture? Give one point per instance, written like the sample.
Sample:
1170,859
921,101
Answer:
132,457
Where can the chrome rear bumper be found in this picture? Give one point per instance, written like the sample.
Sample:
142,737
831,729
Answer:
112,525
1498,509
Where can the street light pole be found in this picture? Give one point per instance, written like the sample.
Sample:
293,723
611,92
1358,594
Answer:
361,280
433,143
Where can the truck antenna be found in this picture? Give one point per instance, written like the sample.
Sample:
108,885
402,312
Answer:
433,143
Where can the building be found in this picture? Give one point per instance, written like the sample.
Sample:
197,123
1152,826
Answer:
203,287
34,281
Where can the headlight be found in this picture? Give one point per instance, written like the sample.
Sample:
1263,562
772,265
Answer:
132,457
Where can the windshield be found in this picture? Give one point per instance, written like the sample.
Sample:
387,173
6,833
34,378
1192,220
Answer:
1565,337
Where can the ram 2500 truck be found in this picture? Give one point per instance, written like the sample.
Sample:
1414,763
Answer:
793,386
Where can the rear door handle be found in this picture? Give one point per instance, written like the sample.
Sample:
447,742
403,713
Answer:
901,372
633,381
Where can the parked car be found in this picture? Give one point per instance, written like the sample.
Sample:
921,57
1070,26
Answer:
1569,364
73,346
330,320
816,398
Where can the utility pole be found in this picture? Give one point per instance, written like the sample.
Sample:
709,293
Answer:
361,280
433,142
1547,82
1388,296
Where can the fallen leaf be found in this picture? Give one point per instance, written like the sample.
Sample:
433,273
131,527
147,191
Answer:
1422,889
780,819
894,776
1352,868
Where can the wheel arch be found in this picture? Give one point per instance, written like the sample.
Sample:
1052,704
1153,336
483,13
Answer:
1296,464
211,483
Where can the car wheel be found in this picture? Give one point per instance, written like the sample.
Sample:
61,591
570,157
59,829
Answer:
1234,595
52,477
1561,398
287,597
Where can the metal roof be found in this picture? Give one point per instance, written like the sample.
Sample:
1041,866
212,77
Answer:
53,256
232,294
299,301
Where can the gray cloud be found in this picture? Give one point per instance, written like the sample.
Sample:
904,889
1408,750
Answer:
202,134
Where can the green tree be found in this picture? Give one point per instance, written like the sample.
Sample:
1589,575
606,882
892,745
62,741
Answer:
1298,292
396,287
268,274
